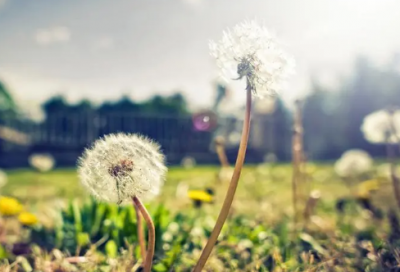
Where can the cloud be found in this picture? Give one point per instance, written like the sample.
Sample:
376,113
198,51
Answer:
193,3
56,34
2,3
104,43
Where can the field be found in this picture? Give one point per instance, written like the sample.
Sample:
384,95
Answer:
260,234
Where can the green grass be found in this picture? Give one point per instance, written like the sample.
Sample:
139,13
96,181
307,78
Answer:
262,216
261,189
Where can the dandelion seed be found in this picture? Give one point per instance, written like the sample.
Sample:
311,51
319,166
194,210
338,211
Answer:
353,162
121,166
381,127
250,51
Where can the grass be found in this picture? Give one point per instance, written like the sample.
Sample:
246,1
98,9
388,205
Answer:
259,234
261,189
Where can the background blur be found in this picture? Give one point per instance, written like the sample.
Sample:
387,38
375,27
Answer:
72,71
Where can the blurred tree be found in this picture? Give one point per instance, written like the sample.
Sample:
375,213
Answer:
8,108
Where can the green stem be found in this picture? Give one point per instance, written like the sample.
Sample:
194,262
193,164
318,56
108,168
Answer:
232,187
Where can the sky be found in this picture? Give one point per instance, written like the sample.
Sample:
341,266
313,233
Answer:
103,49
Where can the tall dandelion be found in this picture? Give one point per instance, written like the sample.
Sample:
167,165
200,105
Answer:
125,167
249,52
383,127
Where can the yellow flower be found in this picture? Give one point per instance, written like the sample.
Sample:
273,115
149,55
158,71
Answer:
202,196
27,219
371,185
9,206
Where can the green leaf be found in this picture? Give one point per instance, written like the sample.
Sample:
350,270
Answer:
111,249
83,239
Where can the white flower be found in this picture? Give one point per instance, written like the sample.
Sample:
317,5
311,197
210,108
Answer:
188,162
377,127
353,162
3,178
121,166
251,51
42,162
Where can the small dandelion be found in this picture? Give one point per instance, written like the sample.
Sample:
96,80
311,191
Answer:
381,127
126,167
122,166
250,51
42,162
353,163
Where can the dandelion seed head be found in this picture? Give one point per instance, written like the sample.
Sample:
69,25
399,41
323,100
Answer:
42,162
120,166
382,126
353,162
250,51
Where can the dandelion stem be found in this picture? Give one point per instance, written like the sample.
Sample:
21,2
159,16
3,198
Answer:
232,186
152,234
140,232
395,180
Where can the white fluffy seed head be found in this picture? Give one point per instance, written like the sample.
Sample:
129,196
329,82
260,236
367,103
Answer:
251,51
42,162
380,127
353,163
121,166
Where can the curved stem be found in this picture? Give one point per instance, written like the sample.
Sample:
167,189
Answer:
140,233
152,234
231,190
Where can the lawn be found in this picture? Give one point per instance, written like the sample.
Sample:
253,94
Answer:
262,207
261,187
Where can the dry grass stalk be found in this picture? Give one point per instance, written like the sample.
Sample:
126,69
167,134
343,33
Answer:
297,157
